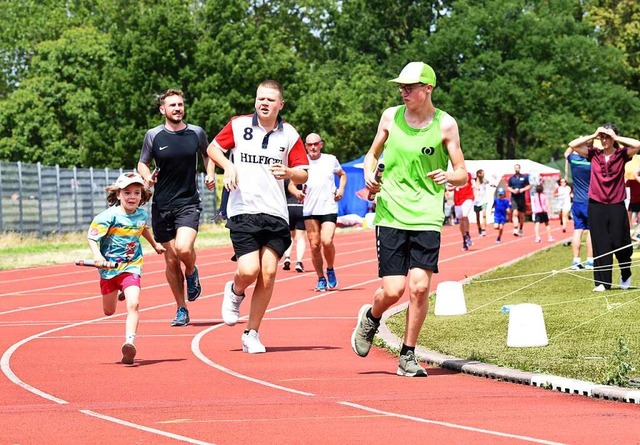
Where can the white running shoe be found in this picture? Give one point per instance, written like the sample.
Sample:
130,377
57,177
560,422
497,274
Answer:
599,288
624,285
251,343
230,304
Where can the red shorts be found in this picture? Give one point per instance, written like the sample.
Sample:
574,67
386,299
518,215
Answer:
119,282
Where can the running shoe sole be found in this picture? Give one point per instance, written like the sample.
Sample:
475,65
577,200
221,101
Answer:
128,353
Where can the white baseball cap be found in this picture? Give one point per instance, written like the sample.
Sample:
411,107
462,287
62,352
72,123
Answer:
416,72
126,179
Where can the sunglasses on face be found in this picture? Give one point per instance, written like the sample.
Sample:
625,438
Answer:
408,89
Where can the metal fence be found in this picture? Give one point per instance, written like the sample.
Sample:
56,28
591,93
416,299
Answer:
35,199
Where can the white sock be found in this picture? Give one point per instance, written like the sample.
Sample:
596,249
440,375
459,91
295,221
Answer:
576,259
131,338
590,259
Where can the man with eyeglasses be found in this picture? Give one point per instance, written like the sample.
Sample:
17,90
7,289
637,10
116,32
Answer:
320,209
418,141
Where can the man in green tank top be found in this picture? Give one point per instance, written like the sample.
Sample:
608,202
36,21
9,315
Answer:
418,140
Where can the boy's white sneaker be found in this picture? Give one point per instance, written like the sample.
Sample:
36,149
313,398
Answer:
599,288
230,304
251,343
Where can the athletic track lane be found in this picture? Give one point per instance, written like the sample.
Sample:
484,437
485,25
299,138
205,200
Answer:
64,382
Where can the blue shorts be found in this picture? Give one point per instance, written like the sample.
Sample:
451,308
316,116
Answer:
499,218
580,216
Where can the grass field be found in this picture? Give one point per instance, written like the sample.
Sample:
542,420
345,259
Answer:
593,336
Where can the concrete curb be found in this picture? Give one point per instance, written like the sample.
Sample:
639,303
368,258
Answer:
562,384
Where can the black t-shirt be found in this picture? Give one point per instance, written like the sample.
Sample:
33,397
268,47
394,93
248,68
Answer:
176,153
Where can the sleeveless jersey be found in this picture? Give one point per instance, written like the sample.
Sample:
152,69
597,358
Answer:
408,199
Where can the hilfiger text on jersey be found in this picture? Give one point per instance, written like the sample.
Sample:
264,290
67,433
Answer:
258,159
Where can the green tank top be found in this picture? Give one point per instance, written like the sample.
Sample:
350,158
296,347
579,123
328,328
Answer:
408,199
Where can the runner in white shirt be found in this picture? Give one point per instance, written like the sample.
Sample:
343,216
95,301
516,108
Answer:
320,209
563,195
479,201
266,151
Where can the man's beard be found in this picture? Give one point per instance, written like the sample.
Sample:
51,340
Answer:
175,119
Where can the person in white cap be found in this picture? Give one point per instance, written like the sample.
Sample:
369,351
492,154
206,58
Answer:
418,141
114,236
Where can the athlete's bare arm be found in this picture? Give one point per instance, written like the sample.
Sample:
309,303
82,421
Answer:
451,140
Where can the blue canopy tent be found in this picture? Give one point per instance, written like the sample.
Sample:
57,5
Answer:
350,203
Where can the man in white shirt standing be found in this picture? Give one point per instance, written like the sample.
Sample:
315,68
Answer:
320,209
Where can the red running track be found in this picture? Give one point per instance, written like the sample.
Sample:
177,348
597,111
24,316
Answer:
63,383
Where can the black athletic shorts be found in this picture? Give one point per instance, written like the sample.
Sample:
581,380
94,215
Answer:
165,223
296,220
634,207
331,217
518,202
250,233
542,217
400,250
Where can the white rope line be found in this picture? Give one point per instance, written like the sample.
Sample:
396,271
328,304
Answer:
610,309
550,274
567,271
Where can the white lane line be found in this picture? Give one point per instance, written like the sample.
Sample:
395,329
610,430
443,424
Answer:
448,424
6,369
195,347
144,428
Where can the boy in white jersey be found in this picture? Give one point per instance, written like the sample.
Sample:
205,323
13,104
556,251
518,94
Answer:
418,140
266,150
320,209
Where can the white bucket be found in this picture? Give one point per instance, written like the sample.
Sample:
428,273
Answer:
526,326
450,299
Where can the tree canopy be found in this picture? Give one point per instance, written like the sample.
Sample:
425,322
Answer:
79,80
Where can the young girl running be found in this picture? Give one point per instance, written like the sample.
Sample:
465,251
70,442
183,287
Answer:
540,209
114,236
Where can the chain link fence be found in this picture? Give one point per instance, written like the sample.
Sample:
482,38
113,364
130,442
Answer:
40,200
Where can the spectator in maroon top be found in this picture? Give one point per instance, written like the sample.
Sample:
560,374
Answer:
608,220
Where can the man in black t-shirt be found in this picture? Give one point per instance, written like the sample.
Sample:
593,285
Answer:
518,186
175,212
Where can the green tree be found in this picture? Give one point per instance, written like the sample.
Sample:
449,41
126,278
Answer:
89,95
25,24
524,77
618,24
53,117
